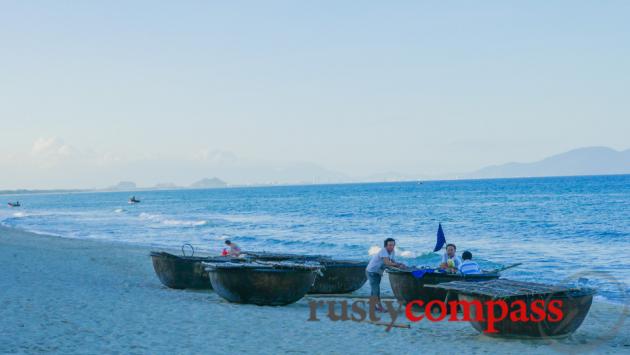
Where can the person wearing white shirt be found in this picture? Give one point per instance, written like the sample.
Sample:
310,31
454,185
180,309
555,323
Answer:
450,261
376,267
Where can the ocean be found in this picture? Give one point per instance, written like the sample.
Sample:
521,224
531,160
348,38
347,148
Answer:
564,229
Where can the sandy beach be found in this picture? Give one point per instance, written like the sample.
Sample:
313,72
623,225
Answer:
80,296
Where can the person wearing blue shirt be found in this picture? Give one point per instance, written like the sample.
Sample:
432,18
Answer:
469,267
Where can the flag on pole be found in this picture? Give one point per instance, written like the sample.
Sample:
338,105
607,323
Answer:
441,239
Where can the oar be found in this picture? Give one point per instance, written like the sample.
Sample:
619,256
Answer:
507,267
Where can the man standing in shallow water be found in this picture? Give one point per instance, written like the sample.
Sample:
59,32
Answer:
376,267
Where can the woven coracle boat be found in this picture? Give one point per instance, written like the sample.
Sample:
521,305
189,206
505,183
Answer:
408,285
572,303
337,276
340,276
182,272
262,283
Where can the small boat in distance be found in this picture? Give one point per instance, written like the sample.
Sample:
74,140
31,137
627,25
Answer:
14,204
133,200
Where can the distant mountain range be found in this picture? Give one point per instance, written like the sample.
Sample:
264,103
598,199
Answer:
205,183
123,186
208,183
581,161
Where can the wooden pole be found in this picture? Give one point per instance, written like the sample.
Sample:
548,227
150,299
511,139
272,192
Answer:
508,267
405,326
334,295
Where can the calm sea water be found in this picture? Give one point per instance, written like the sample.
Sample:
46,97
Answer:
574,229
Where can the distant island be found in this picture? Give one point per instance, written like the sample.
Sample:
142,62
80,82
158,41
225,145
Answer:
208,183
205,183
581,161
166,186
576,162
123,186
30,191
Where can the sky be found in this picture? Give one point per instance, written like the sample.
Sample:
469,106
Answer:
94,92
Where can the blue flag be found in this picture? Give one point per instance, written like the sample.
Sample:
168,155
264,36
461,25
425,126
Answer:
441,239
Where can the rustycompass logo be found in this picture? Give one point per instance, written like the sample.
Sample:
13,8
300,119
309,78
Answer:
489,312
357,312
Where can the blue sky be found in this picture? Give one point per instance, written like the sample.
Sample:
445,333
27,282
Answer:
357,88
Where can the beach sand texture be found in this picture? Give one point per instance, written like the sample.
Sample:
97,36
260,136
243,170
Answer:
79,296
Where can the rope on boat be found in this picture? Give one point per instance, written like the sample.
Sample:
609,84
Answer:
191,248
257,264
280,256
503,288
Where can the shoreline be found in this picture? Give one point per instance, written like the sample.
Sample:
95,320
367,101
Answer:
69,295
205,252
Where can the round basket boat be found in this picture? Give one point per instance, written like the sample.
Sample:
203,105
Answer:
182,272
340,276
407,287
574,304
264,284
337,276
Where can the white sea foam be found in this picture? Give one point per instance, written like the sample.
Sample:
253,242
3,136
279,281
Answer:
403,253
176,222
373,250
19,214
149,216
119,210
406,254
163,220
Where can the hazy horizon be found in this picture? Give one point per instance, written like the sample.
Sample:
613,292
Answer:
99,92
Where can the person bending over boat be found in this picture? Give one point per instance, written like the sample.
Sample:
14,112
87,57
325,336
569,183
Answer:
376,266
234,249
469,267
450,261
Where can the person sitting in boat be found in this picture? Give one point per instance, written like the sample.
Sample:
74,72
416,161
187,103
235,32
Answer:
450,261
376,267
469,267
234,249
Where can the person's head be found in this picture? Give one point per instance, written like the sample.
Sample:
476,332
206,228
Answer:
389,244
228,242
466,255
451,249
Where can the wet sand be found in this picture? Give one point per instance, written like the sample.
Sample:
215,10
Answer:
79,296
